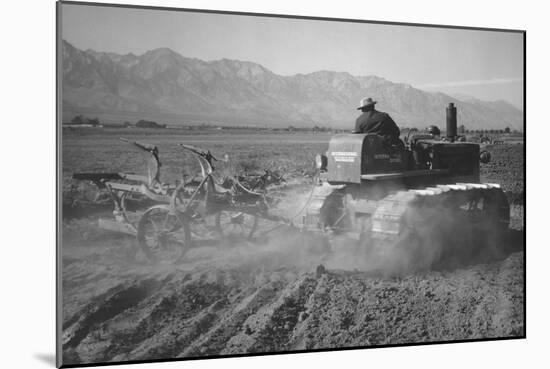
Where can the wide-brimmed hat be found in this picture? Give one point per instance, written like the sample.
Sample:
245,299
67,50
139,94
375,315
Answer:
366,102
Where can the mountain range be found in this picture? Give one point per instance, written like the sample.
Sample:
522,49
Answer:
164,85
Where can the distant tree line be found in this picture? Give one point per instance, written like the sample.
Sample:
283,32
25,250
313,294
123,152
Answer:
462,130
507,130
315,128
81,119
142,123
87,121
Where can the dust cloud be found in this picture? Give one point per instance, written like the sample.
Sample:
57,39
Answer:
438,233
436,236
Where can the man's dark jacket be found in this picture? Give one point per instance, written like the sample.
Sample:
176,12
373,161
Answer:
375,121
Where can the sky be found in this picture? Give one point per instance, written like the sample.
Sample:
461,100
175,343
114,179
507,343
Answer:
484,64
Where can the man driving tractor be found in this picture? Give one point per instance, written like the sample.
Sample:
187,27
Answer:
374,121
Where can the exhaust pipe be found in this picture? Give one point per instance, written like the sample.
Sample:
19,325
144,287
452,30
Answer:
451,122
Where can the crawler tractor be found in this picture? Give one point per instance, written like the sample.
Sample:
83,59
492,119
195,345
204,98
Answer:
409,205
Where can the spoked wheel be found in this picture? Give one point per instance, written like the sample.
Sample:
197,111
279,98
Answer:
235,225
158,235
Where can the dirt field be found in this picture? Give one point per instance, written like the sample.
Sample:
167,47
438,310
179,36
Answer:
251,298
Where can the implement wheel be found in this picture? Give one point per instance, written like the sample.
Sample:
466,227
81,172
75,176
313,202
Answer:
235,225
162,236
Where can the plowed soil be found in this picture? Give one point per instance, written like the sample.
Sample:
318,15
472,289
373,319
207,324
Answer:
219,303
275,296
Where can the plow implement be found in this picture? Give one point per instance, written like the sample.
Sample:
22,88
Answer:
189,213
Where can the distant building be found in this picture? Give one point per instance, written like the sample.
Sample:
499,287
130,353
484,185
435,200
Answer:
149,124
81,120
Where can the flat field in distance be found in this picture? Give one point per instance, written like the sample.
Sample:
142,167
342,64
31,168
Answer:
100,150
290,153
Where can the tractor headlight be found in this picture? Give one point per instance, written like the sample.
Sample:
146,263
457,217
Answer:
321,162
318,161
